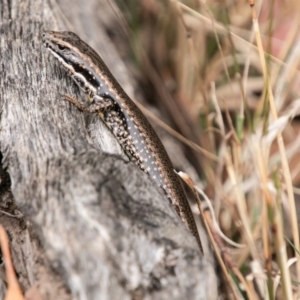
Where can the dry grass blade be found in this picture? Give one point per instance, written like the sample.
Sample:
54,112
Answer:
177,135
13,289
210,229
280,244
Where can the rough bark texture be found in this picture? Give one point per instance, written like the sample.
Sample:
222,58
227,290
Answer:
86,224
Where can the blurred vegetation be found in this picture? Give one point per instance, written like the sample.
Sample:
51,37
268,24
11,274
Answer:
227,73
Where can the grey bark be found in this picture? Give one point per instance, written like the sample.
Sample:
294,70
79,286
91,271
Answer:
87,223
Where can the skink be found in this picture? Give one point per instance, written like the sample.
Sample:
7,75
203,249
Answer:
131,128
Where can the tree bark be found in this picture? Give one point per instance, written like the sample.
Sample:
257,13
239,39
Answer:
84,223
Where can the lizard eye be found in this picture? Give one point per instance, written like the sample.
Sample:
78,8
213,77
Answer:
61,47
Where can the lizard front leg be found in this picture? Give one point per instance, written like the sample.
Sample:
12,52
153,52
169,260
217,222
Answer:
99,104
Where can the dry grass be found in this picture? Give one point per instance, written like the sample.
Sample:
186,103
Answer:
228,74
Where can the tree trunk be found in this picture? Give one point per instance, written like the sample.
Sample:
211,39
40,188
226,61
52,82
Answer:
84,223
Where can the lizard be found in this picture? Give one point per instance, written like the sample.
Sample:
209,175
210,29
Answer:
128,124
